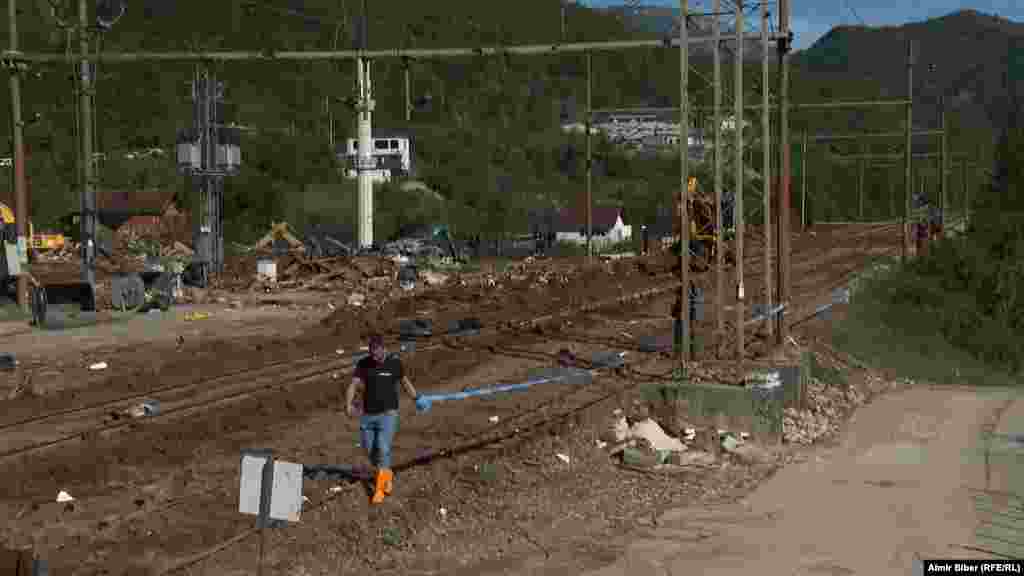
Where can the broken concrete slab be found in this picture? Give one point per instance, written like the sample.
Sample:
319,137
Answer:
755,410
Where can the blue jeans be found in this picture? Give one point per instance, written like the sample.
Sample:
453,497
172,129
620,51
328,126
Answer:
376,431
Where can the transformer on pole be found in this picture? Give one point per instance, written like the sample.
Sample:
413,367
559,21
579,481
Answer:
208,151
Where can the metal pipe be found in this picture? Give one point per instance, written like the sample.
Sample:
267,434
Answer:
862,135
889,157
419,53
797,106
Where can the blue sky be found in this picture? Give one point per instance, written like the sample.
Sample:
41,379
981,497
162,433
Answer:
813,18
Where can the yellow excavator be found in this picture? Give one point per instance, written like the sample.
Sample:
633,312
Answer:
36,241
701,210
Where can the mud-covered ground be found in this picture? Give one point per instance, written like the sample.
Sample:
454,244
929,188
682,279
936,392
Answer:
159,493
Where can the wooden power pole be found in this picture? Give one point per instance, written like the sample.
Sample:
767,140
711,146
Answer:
684,157
738,151
785,173
21,214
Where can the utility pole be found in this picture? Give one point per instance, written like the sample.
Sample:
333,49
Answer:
860,186
408,90
212,162
803,182
738,206
21,215
785,233
589,160
943,164
365,163
562,4
766,169
716,27
684,157
908,152
208,153
88,199
892,194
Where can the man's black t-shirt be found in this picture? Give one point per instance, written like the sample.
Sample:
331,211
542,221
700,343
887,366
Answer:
382,380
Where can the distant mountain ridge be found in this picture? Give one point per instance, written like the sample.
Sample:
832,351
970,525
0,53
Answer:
960,57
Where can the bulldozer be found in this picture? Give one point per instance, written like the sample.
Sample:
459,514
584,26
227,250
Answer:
703,235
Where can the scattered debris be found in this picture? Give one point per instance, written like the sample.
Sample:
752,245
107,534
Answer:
63,496
827,404
98,366
144,409
433,278
356,299
730,443
493,419
8,362
651,432
193,316
563,458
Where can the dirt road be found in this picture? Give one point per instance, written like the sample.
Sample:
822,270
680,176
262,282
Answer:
901,484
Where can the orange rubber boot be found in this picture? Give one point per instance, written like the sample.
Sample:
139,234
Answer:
388,477
379,485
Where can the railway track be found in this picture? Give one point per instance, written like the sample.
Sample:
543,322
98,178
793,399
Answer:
517,425
35,434
38,433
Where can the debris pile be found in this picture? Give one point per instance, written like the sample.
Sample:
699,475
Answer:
66,253
828,405
644,444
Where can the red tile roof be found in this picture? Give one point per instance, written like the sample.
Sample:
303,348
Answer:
153,202
575,219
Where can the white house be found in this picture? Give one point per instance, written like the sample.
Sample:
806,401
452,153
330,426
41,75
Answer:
608,226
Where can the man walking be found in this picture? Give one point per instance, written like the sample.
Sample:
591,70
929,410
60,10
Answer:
378,377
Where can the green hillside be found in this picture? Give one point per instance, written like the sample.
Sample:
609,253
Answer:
487,137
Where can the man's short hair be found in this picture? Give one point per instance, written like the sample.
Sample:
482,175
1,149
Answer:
376,341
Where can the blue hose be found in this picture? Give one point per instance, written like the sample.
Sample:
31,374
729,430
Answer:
424,401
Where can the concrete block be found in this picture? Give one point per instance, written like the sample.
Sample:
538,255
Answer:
757,411
286,493
270,487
